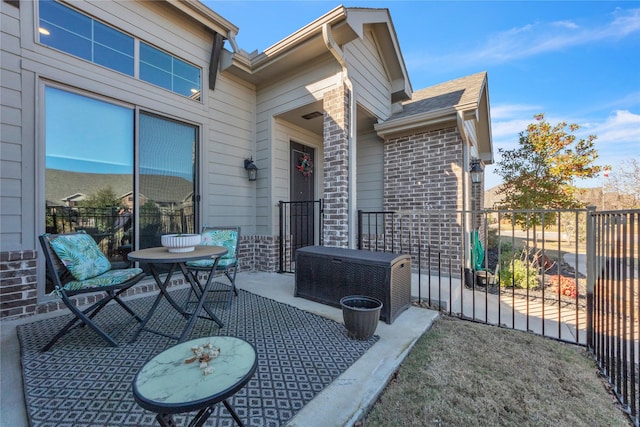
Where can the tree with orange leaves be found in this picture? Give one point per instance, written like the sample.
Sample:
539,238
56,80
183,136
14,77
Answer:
540,173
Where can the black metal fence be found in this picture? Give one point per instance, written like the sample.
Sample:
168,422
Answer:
614,309
571,275
112,231
516,269
301,224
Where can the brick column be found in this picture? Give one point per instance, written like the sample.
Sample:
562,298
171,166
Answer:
336,167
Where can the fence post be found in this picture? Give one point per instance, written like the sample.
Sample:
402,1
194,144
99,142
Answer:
281,243
591,270
359,228
320,223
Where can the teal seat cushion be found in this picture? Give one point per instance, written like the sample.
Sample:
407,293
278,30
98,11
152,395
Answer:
208,263
109,278
226,238
81,255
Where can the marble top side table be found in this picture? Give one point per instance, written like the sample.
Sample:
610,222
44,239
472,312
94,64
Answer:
171,383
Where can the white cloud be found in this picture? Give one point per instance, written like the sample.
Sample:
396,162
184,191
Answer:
566,24
508,120
618,135
535,39
505,111
509,128
626,22
620,127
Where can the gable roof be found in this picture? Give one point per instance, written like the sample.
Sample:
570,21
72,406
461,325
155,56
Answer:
465,98
307,43
460,94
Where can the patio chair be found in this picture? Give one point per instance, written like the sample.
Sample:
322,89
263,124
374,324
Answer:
76,266
228,237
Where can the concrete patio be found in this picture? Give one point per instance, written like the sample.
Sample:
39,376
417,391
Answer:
350,396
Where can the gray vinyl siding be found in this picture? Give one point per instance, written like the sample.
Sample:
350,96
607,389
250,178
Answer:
228,196
12,150
370,80
306,86
370,172
226,116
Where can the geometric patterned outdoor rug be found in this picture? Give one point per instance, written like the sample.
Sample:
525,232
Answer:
82,381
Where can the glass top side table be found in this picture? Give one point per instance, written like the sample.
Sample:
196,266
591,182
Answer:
167,384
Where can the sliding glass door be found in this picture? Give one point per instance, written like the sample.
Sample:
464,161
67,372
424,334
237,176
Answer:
167,178
91,169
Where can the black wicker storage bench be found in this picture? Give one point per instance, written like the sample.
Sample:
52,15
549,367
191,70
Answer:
326,274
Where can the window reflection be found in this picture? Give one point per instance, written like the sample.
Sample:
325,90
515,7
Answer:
167,178
70,31
89,168
169,72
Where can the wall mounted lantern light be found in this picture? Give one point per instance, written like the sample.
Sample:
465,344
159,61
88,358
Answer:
252,169
476,171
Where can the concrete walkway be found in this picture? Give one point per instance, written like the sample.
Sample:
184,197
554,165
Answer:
342,403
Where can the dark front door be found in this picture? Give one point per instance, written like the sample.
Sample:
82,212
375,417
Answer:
302,215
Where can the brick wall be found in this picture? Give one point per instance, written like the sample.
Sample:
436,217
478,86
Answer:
18,277
265,254
18,283
424,171
336,167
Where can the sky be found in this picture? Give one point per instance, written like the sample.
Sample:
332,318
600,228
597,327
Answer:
575,61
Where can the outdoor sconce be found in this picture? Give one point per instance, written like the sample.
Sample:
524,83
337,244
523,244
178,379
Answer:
476,171
252,169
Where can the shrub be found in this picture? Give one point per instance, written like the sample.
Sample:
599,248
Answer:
517,273
567,285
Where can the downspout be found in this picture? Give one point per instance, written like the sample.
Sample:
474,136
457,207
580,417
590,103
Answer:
335,50
465,159
468,217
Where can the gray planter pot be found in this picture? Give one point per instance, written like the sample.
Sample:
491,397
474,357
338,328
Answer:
361,314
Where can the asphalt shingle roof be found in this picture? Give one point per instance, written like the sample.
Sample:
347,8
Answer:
454,93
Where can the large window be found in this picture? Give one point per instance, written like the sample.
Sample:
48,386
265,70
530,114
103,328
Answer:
65,29
169,72
70,31
90,172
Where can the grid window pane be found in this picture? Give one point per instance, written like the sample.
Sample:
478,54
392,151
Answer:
69,42
186,72
155,76
113,59
70,31
113,49
113,38
155,57
169,72
183,87
54,15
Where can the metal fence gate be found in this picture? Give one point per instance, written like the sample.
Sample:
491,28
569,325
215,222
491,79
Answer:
301,224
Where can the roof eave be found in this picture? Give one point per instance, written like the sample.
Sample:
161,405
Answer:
416,122
485,139
205,16
280,57
307,43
